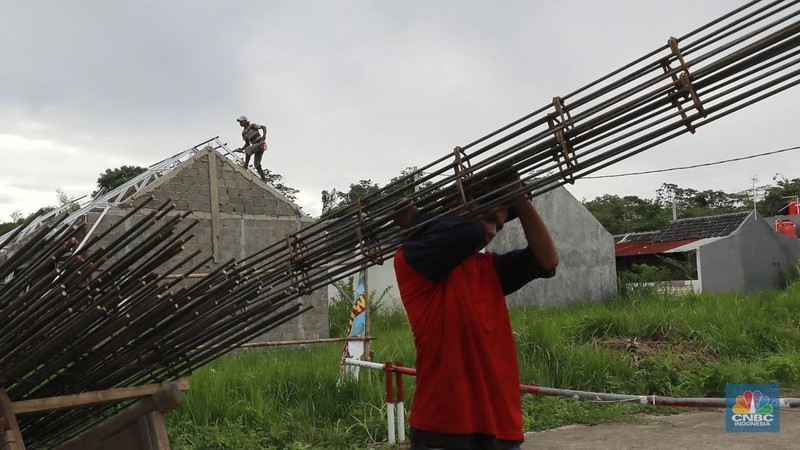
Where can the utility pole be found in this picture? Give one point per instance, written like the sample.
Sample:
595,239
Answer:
754,179
674,198
367,323
674,208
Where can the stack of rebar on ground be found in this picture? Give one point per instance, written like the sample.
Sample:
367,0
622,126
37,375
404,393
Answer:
116,315
111,315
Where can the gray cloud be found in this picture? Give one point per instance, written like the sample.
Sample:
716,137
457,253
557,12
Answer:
349,90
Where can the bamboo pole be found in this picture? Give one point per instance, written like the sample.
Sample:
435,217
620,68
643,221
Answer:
300,342
367,321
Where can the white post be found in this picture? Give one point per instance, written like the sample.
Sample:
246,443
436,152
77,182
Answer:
674,208
390,422
401,422
389,402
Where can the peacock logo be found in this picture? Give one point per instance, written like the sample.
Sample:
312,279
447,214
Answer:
752,408
752,402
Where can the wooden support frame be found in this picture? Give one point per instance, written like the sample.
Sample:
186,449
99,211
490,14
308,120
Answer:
92,398
137,427
10,436
213,187
125,430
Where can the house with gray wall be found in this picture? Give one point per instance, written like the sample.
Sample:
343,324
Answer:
737,252
586,272
238,215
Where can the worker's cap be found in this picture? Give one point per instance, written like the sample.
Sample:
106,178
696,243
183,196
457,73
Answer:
242,119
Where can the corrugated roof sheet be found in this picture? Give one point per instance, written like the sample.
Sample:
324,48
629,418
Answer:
701,227
632,248
694,245
679,235
637,236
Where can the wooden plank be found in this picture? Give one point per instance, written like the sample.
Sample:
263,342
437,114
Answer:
92,398
145,432
10,436
214,201
127,439
166,399
158,429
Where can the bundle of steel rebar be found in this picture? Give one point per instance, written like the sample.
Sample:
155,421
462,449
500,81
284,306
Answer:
739,59
112,315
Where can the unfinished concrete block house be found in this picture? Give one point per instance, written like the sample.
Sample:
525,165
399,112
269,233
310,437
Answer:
238,215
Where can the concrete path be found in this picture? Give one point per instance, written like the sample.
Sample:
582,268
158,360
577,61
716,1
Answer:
690,431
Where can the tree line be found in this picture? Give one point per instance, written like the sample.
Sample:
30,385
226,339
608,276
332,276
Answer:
626,214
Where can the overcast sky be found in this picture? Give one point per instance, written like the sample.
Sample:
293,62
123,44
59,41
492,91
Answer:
349,90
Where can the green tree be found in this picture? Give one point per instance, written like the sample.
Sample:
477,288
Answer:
631,213
626,214
341,305
17,217
694,203
335,200
276,180
114,178
408,181
777,197
7,226
330,200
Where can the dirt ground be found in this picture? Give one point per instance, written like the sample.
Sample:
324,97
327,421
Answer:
690,431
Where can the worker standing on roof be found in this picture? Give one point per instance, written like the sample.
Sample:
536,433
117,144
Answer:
254,144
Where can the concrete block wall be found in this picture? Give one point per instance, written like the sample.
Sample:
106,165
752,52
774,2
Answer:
753,258
587,271
251,217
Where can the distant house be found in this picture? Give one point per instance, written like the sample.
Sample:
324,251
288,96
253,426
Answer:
736,252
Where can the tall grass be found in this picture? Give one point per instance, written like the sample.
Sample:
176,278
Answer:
642,344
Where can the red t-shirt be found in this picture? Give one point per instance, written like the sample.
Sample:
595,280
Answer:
467,374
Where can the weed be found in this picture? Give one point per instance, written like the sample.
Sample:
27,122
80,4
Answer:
691,345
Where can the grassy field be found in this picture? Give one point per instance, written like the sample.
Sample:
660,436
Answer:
639,344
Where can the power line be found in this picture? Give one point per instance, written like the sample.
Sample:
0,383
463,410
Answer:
694,166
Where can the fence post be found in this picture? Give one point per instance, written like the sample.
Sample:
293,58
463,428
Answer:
401,414
389,402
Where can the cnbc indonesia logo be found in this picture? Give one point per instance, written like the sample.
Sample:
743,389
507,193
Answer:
752,409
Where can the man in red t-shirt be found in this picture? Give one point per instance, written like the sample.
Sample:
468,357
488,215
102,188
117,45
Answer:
467,393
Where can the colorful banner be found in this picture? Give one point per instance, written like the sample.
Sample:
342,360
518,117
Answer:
357,326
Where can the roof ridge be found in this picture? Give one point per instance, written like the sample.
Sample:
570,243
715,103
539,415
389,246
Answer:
735,213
